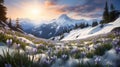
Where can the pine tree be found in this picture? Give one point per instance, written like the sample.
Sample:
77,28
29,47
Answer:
10,23
1,1
87,25
17,24
3,9
82,25
101,24
112,13
112,8
95,23
106,13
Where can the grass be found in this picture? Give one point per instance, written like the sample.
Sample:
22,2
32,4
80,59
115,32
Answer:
16,59
101,49
4,37
90,54
33,39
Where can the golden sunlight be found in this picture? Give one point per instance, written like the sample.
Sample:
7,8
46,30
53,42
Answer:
35,11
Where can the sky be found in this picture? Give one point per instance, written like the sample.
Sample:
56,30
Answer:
52,9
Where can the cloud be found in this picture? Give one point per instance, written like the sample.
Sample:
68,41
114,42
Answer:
85,8
89,9
49,3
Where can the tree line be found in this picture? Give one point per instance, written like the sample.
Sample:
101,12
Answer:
109,15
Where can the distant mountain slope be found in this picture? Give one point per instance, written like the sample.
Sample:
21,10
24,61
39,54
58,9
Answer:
90,31
57,27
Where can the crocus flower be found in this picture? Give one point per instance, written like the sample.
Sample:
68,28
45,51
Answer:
18,46
9,42
115,42
34,50
64,56
95,46
53,58
83,54
24,41
32,45
97,60
47,61
117,49
88,48
8,65
49,52
74,51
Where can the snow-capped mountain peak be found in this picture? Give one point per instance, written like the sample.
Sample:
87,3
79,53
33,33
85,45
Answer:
63,17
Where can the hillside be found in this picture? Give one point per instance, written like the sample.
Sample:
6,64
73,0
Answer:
89,31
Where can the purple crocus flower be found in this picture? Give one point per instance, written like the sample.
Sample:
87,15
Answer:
97,60
117,49
9,42
18,46
47,61
34,50
53,58
74,51
95,46
8,65
64,56
88,48
94,40
24,41
83,54
115,42
49,52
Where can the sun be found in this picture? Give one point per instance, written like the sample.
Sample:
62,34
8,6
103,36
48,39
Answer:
35,11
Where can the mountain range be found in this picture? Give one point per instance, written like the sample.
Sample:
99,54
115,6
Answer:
54,27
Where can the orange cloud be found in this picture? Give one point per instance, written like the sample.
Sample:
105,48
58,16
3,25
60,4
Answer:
57,11
52,7
49,3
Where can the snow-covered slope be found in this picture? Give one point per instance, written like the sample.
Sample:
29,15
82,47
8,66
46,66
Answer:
91,31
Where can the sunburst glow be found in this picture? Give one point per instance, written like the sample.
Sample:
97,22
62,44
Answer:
35,11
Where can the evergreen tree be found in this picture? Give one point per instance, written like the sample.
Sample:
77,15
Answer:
106,13
17,24
10,23
1,1
112,13
112,8
82,25
95,23
3,17
101,24
87,25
